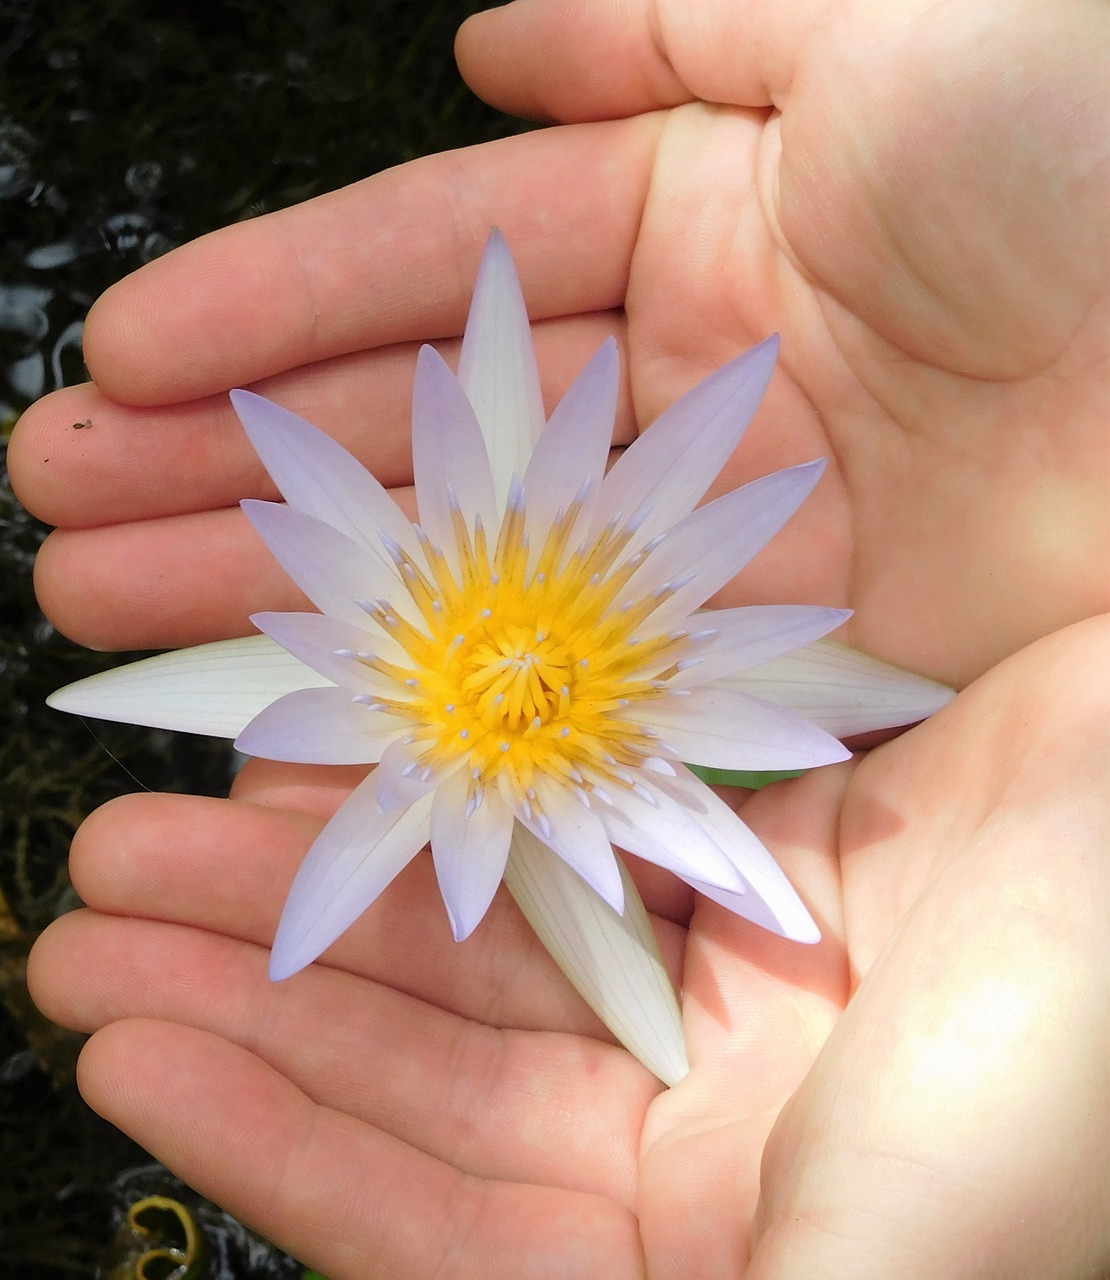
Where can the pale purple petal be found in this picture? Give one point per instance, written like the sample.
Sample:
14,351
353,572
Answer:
351,861
723,729
843,690
749,635
710,547
316,475
654,826
329,568
577,836
574,447
320,726
405,774
771,900
612,959
497,367
447,450
214,689
318,640
469,852
789,919
674,461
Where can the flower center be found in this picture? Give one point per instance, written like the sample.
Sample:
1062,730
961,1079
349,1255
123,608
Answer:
516,675
525,663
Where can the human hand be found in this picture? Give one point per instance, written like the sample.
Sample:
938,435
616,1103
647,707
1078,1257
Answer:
925,228
942,527
410,1107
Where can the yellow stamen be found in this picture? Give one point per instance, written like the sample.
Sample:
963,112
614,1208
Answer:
522,672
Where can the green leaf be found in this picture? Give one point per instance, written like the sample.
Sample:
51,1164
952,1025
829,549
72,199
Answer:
753,779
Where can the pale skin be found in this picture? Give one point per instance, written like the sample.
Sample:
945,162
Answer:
915,196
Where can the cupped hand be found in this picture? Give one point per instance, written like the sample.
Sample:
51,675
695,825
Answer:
925,225
914,195
410,1107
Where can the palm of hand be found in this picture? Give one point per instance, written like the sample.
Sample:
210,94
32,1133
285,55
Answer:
367,1114
944,334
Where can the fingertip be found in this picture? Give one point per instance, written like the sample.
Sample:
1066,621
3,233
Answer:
46,966
222,308
571,62
46,449
102,854
113,332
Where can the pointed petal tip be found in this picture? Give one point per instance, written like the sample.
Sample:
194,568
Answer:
427,356
460,929
250,407
284,963
769,348
63,699
496,254
837,754
803,931
790,919
755,366
257,510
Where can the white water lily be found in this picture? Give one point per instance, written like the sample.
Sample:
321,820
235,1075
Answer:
528,666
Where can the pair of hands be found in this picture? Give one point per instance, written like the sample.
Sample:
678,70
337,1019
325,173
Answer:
914,195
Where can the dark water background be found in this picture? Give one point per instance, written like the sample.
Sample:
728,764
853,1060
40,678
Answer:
124,132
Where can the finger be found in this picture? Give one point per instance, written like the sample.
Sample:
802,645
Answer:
554,1109
391,259
160,583
78,459
338,1194
226,867
562,60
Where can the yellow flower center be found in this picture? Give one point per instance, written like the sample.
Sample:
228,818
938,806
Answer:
525,662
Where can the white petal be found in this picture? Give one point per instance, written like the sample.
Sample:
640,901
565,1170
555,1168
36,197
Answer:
469,852
752,634
574,447
843,690
771,900
664,831
316,475
724,729
676,459
315,639
329,568
351,861
497,367
578,837
714,543
320,726
214,689
447,449
612,960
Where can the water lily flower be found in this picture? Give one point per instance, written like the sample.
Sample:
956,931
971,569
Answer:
529,666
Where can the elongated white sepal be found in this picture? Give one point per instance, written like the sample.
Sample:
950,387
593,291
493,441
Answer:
215,689
842,690
612,960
